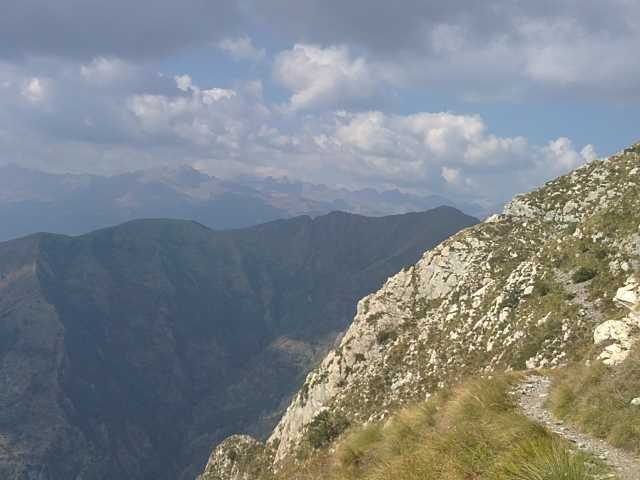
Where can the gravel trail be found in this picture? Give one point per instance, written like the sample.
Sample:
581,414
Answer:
532,394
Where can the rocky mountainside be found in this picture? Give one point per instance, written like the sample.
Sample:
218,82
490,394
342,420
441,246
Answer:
126,353
32,201
532,287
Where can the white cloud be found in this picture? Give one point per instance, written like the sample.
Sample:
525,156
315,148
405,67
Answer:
242,48
437,152
560,155
183,82
204,117
588,152
323,77
34,90
103,70
495,151
425,152
451,175
207,96
216,94
238,131
434,138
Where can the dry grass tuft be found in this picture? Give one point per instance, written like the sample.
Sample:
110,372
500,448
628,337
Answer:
598,398
472,432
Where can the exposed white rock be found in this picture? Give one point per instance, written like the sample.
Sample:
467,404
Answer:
614,354
629,295
621,334
613,330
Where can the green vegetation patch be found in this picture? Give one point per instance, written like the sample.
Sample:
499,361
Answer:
583,274
325,428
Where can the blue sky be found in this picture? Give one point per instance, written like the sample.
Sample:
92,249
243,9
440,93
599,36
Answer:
466,99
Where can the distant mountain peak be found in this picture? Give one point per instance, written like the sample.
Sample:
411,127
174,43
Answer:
73,204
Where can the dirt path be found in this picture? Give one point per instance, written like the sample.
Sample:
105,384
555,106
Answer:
532,394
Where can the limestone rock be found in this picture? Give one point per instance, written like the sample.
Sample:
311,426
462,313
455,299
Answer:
620,334
613,330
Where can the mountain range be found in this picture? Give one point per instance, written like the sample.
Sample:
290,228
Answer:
129,351
32,201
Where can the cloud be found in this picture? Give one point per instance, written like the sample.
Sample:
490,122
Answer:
147,119
105,71
183,82
588,152
561,155
350,99
476,51
451,175
323,77
202,121
497,49
242,48
441,152
34,90
434,138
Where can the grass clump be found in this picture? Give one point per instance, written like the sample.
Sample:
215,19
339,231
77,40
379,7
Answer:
598,398
472,432
538,460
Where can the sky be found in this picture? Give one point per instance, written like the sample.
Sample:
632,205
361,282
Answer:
466,99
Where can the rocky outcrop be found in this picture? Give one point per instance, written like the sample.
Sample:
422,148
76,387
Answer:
618,336
524,289
235,458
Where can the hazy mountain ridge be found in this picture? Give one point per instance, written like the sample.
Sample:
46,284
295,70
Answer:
127,352
533,287
32,201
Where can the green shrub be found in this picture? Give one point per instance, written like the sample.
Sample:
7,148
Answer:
385,336
542,288
373,319
583,274
325,428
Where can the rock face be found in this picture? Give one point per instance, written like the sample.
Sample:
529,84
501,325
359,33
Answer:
127,353
524,289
